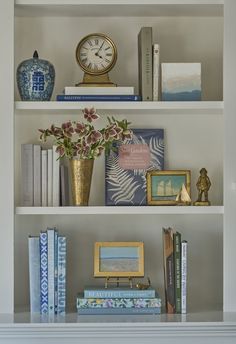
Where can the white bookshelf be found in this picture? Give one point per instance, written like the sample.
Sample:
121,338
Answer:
207,107
197,134
118,8
115,210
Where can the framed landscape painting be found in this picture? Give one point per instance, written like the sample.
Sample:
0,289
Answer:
119,259
165,187
181,81
127,165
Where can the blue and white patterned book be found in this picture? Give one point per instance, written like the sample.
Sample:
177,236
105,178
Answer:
34,274
51,270
56,271
118,302
126,167
43,273
61,275
116,292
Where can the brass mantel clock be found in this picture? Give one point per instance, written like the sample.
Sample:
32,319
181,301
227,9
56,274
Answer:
96,54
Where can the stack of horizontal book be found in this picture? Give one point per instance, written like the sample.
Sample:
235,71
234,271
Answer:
118,301
47,272
119,93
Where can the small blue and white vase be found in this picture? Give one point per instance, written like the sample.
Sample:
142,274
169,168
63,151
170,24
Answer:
35,79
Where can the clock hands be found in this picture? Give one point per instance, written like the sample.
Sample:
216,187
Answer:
99,50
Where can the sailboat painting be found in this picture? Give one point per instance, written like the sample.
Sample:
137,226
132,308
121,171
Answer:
168,187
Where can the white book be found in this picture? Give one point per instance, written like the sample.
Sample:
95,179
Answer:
184,245
50,178
44,175
119,90
27,175
56,178
156,71
34,274
37,176
51,270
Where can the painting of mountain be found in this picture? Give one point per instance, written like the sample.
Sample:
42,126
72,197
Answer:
181,81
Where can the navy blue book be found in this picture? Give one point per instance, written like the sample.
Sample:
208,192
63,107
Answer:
97,98
126,167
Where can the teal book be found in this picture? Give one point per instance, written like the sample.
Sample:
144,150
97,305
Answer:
119,311
116,292
117,302
177,268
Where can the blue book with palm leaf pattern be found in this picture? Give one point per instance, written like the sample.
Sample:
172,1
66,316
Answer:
127,164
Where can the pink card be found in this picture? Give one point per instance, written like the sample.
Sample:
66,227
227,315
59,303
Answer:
134,156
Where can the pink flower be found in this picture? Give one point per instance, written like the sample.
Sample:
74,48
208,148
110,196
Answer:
60,150
90,114
113,132
109,133
78,138
68,129
94,137
98,151
127,134
80,129
55,130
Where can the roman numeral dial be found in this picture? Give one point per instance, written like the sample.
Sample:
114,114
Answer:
96,54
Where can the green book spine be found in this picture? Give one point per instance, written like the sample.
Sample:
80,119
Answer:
177,268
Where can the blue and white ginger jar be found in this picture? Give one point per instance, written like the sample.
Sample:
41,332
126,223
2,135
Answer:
35,79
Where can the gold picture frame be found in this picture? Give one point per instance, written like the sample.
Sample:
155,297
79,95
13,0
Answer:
118,259
166,187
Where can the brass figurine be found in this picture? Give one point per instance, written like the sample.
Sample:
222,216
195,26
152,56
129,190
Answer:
203,185
143,286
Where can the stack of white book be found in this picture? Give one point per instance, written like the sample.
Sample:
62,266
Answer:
40,177
80,90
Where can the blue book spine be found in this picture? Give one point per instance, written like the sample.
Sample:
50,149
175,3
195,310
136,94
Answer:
119,311
56,272
125,293
43,273
34,274
97,98
61,284
51,270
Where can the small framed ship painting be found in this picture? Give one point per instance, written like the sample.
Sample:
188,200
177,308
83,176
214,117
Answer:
168,187
119,259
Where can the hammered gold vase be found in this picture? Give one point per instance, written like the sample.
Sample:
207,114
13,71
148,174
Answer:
81,177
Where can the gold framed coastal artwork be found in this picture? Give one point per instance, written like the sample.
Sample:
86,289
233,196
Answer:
171,187
119,259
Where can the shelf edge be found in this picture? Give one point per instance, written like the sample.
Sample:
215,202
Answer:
103,210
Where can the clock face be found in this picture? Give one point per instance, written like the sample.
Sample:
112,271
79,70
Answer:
96,54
